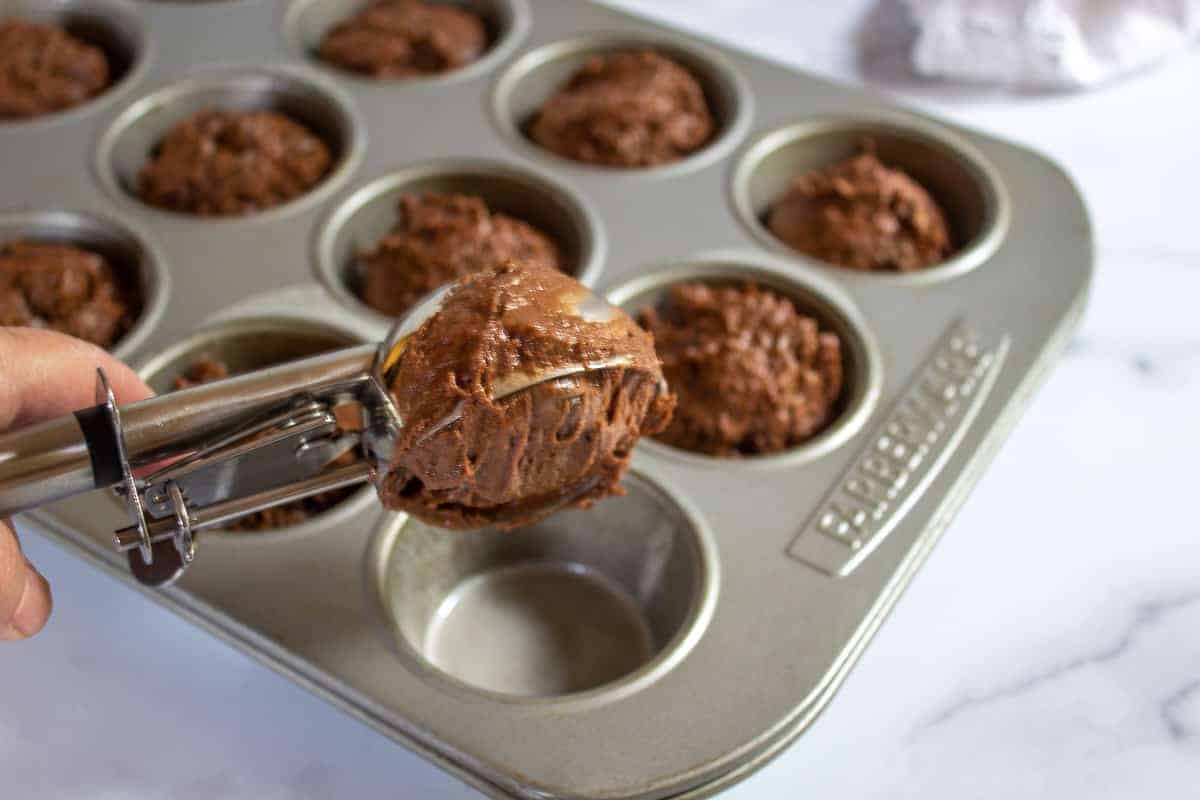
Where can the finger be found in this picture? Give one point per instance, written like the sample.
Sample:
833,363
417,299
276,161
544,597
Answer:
25,599
48,374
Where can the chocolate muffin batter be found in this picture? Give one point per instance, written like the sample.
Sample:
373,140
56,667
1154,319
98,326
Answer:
403,38
627,109
66,288
862,214
223,162
512,461
439,238
45,69
751,373
206,369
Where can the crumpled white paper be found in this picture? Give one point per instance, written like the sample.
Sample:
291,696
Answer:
1055,44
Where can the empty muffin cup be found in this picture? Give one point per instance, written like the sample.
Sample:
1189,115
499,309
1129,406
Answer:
600,602
308,21
370,213
131,141
111,27
534,78
245,345
958,178
861,367
136,263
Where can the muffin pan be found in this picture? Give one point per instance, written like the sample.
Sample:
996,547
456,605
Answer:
663,644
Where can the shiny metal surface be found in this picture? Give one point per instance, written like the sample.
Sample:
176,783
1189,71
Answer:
780,635
666,577
51,461
41,464
187,417
215,515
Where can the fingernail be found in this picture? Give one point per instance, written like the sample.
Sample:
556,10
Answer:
32,609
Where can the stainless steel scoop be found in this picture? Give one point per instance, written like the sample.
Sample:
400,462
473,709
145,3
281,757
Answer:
203,456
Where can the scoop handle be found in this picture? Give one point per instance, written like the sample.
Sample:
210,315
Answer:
78,453
55,459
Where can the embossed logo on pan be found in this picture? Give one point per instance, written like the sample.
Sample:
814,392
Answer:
904,454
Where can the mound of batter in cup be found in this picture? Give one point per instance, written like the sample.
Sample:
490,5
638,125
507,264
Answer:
626,109
862,214
439,238
220,162
405,38
44,69
66,288
752,375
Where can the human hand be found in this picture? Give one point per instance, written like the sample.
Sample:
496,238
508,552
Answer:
43,375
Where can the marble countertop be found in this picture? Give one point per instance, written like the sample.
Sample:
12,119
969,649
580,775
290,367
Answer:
1049,648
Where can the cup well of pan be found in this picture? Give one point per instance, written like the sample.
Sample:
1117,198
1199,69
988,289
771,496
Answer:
862,367
137,263
134,136
535,77
369,213
111,27
961,181
584,605
308,21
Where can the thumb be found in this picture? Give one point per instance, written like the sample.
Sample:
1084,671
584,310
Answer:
25,600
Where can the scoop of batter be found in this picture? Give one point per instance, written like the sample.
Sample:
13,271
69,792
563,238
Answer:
403,38
224,162
513,461
627,109
44,69
751,373
66,288
439,238
862,214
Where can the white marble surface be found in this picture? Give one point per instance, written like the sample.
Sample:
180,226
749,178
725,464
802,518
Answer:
1050,647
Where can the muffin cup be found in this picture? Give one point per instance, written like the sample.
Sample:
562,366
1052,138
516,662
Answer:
307,21
370,213
534,78
585,606
130,141
112,27
861,362
135,260
962,182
